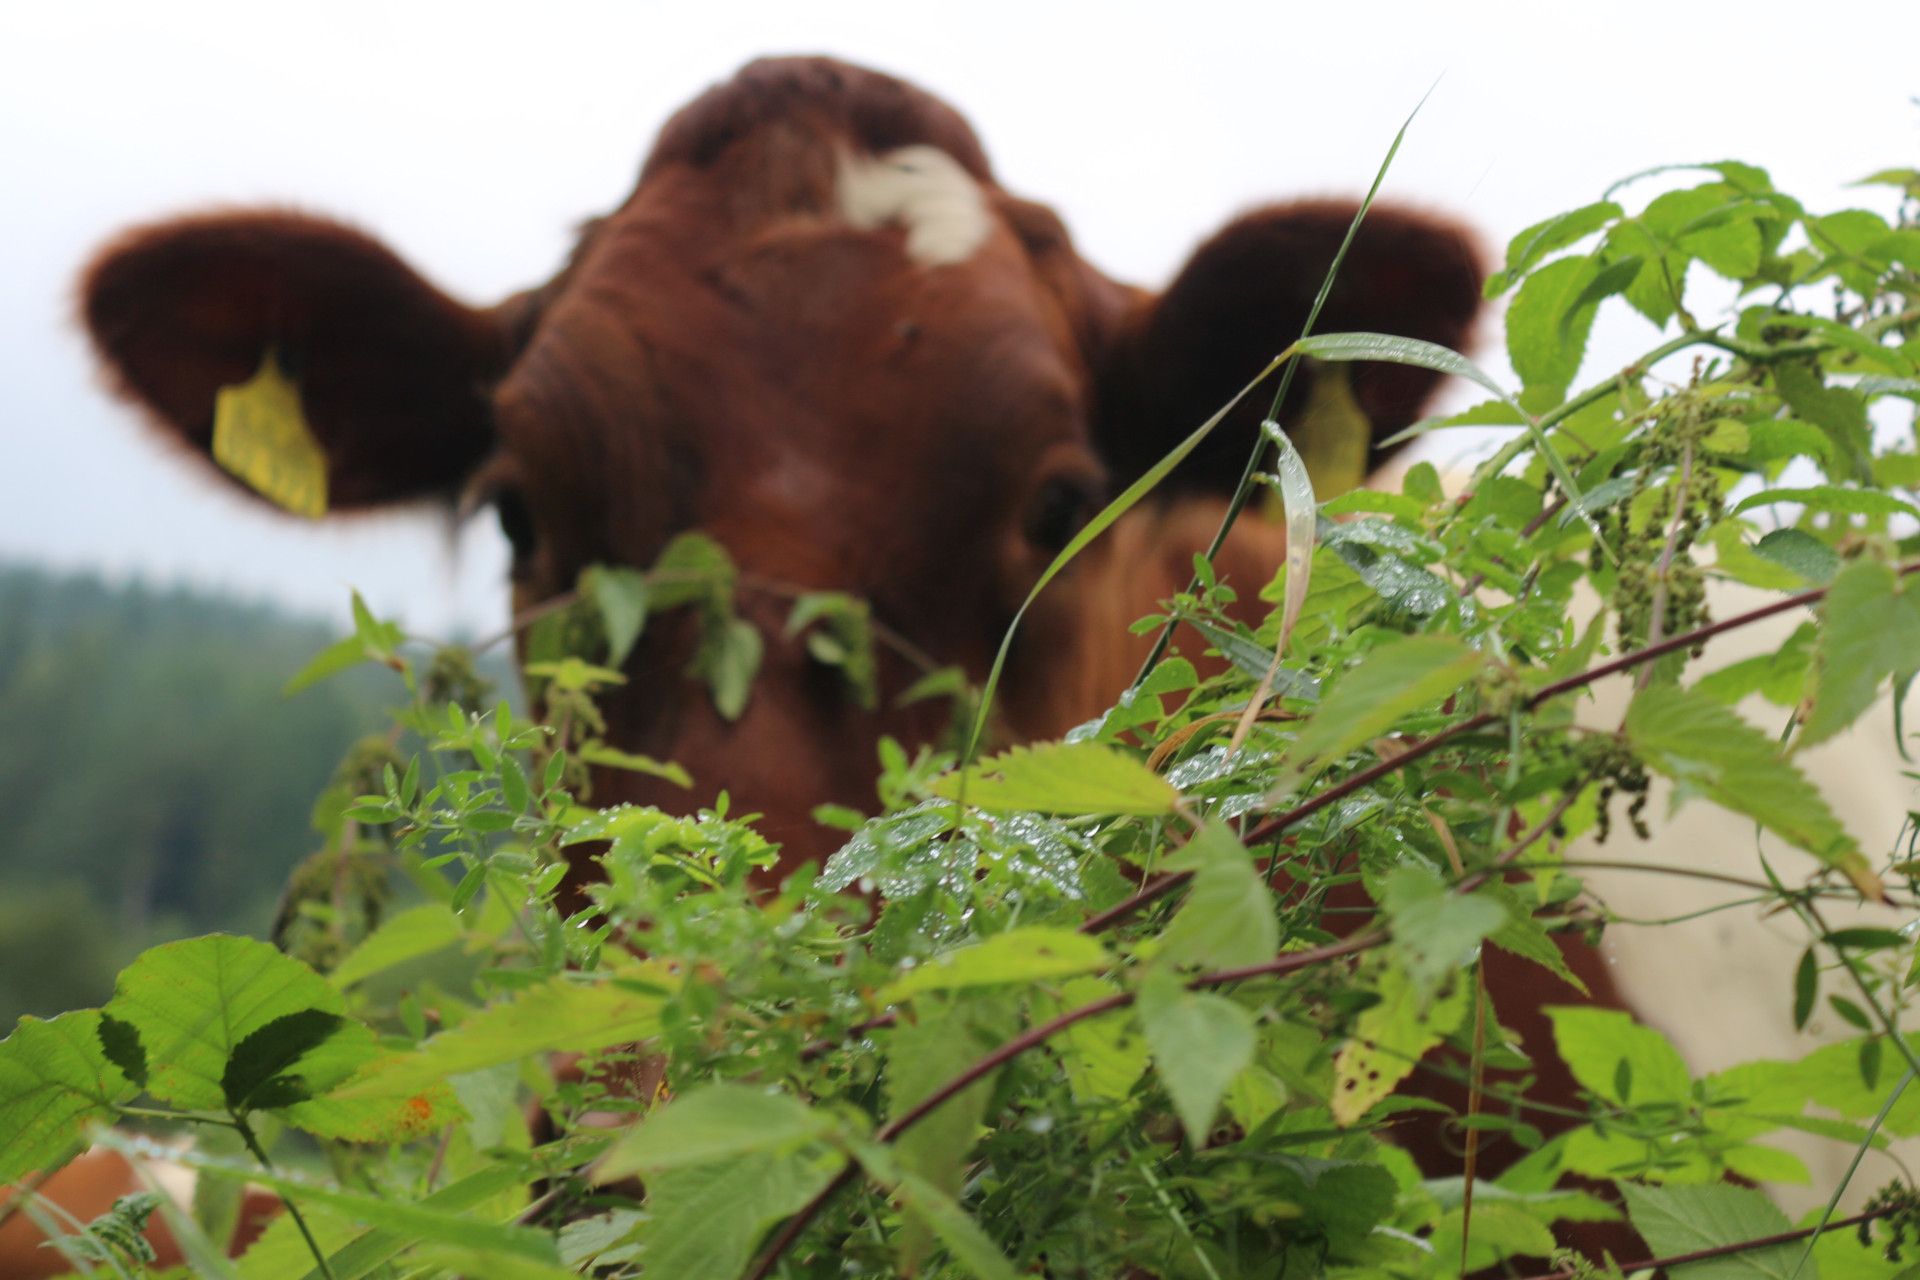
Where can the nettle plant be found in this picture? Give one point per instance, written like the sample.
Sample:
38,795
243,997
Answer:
1104,1007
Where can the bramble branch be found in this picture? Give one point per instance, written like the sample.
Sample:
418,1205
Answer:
1727,1250
1272,827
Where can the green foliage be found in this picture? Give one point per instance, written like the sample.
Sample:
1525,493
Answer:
1153,1000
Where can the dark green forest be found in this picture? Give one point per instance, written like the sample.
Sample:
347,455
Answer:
158,783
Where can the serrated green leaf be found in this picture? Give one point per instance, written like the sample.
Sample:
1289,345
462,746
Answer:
1838,411
193,1002
728,660
1542,238
1390,1038
1062,777
1676,1219
937,1214
1606,1050
714,1123
1548,323
922,1055
1392,681
553,1017
1523,936
1021,955
1868,630
1803,554
1103,1057
415,932
1199,1042
1831,500
1435,931
341,655
607,757
620,595
56,1082
1227,918
705,1220
262,1070
1710,751
417,1221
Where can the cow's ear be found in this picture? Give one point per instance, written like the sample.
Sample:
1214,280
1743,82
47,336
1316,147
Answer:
1244,297
393,374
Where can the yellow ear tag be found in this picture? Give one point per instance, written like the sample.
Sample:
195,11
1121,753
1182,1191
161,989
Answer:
1332,433
261,436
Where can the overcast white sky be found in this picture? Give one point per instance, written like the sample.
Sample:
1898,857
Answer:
473,136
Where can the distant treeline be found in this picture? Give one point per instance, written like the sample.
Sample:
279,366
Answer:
154,781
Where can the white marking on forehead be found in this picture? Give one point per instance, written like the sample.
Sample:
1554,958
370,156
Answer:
923,189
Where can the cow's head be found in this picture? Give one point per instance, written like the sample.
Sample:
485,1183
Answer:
820,332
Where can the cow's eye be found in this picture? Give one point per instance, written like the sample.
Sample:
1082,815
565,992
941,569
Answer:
1059,507
515,521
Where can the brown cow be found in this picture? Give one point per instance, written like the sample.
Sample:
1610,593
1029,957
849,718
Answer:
822,333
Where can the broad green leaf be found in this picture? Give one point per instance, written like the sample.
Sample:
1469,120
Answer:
1548,323
1227,918
922,1055
1838,411
192,1003
282,1253
457,1261
692,569
1831,500
1499,1231
397,1114
262,1071
1542,238
1022,955
1393,680
1104,1057
1436,932
493,1193
56,1082
1200,1042
729,659
554,1017
1062,777
705,1220
415,932
936,1213
1390,1038
607,757
1869,631
341,655
1809,558
620,594
1619,1059
1830,1077
417,1220
1711,751
1676,1219
715,1122
1523,936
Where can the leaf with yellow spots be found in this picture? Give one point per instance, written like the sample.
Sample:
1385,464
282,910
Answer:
1389,1039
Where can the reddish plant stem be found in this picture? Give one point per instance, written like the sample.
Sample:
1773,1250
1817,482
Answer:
1373,773
797,1224
1032,1038
1724,1250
